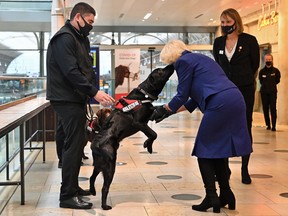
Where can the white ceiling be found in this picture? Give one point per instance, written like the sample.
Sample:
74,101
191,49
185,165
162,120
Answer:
167,12
128,15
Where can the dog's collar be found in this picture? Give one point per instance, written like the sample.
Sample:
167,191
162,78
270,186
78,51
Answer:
147,94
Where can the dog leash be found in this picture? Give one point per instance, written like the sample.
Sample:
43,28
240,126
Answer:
89,112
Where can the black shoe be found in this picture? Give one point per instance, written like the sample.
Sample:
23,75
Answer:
245,177
268,128
208,202
60,164
75,203
273,129
82,192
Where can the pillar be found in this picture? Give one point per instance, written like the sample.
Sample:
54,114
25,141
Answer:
282,100
57,16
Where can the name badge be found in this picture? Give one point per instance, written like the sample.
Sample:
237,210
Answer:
221,52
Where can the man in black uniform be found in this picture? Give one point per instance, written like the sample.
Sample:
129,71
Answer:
269,77
70,83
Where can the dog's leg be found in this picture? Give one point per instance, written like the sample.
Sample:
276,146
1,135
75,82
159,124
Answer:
92,181
108,175
151,134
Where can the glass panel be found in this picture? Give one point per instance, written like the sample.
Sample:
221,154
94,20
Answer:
27,63
199,38
106,80
38,5
14,144
14,88
19,40
2,150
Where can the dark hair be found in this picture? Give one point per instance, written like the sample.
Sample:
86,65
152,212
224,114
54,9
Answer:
236,17
82,8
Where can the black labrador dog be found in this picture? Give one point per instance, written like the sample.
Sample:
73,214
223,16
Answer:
130,115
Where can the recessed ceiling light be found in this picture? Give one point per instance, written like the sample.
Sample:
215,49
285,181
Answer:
147,15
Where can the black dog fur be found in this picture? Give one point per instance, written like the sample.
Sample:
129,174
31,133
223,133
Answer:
120,125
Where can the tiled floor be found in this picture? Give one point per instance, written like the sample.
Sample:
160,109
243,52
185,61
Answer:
138,188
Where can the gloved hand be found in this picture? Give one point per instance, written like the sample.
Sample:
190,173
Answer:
160,113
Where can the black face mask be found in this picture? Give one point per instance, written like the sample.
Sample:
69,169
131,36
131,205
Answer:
268,63
85,29
228,29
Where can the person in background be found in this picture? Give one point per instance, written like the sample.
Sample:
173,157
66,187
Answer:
269,77
238,55
70,84
203,84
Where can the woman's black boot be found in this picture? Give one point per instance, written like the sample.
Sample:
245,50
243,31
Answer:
210,201
226,194
227,198
244,170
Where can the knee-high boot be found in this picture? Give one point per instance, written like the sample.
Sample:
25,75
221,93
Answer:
228,171
226,194
244,170
211,199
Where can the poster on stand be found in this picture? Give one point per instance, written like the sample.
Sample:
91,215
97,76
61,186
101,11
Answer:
127,71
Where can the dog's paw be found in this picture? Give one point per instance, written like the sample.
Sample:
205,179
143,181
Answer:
92,191
148,145
106,207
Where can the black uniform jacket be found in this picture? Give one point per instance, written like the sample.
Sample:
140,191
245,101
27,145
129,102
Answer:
70,75
243,66
269,78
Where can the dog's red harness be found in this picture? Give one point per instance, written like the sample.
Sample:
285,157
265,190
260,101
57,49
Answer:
90,125
127,105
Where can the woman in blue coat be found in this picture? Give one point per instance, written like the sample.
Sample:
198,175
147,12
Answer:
203,84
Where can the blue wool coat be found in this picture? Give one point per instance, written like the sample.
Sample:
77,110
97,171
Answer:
223,130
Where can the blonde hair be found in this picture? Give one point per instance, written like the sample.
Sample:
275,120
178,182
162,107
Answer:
233,14
172,51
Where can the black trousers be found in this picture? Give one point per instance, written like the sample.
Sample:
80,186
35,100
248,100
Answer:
248,93
269,102
60,138
73,120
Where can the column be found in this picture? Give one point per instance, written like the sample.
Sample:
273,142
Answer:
282,100
57,16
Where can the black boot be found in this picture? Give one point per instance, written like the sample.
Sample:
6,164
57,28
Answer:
227,198
244,170
228,171
211,200
226,194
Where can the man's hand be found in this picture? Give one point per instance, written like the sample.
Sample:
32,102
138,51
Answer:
104,99
160,113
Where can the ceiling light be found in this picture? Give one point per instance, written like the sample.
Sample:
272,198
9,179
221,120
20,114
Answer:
147,16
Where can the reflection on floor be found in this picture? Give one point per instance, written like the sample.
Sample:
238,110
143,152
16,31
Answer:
167,182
